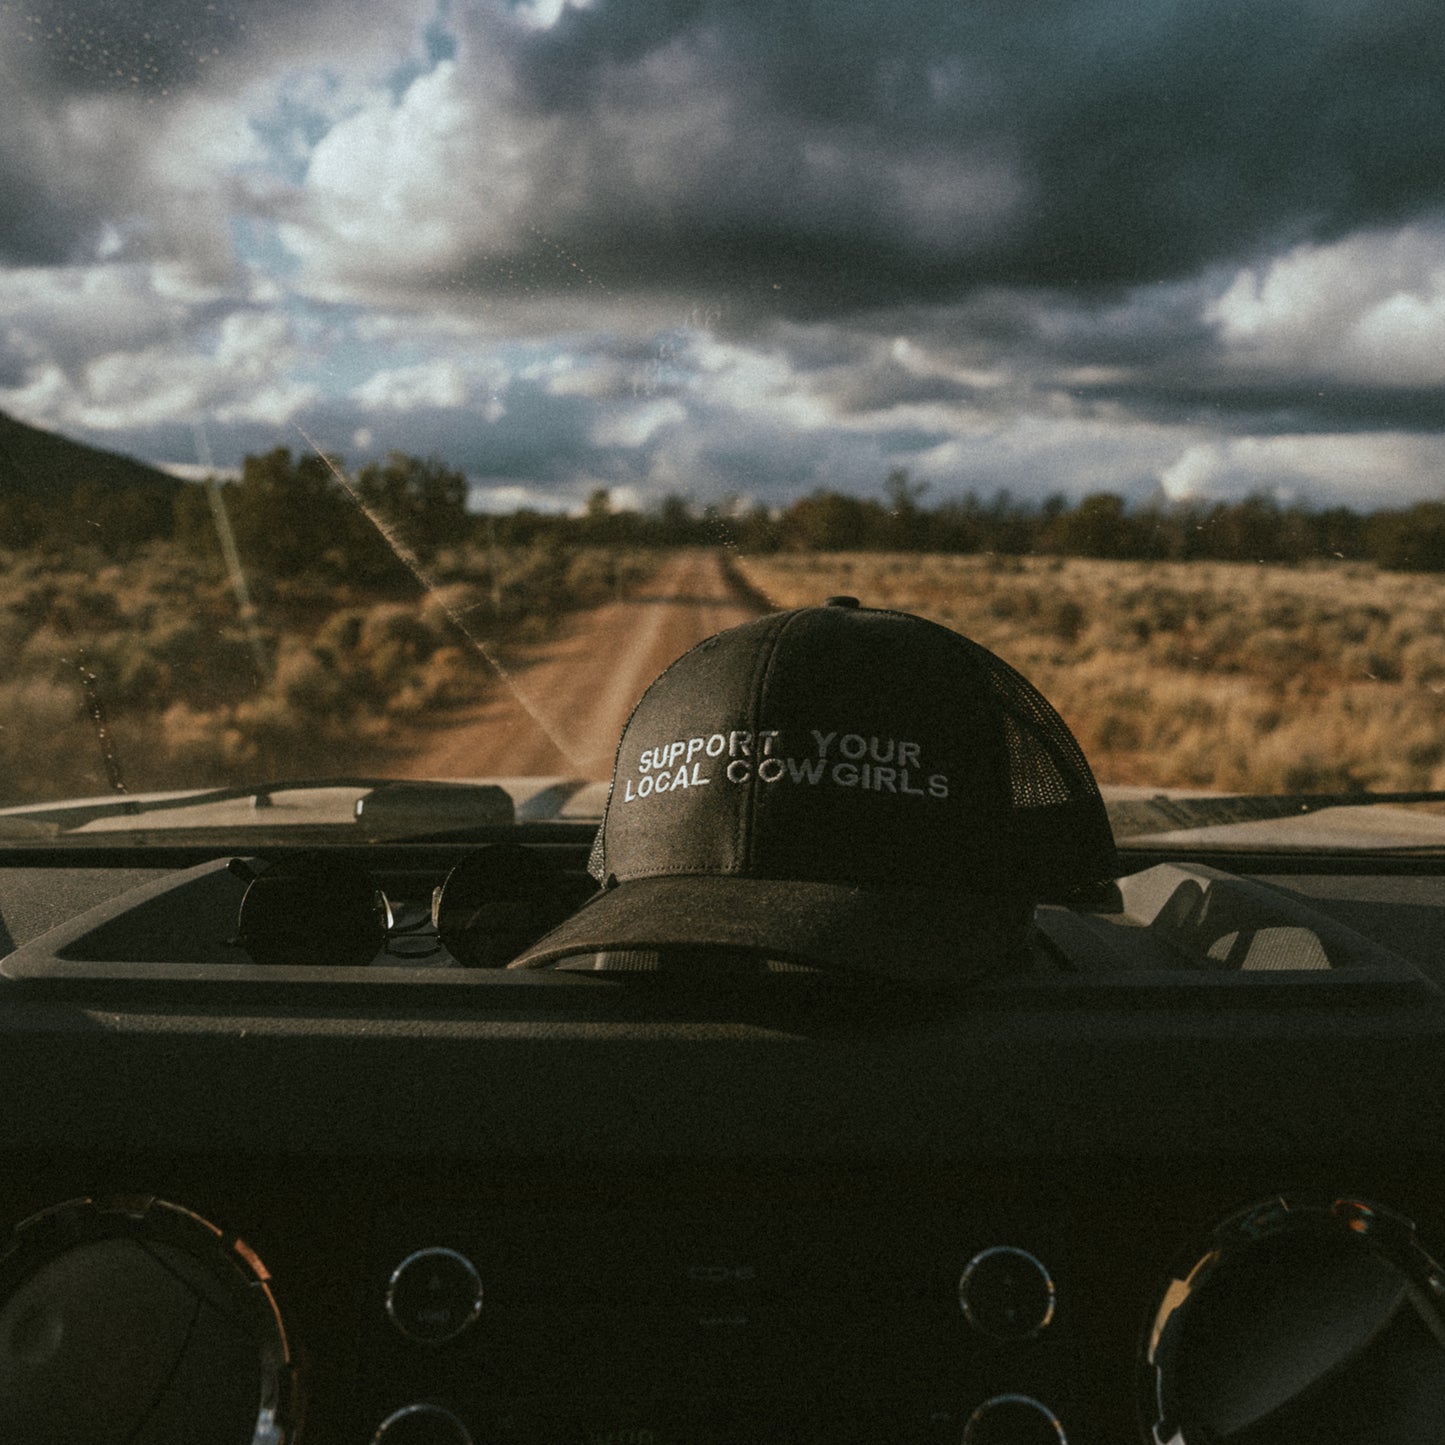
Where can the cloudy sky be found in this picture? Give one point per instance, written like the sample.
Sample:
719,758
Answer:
737,247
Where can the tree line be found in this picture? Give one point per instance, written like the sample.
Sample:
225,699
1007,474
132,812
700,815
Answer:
292,514
287,515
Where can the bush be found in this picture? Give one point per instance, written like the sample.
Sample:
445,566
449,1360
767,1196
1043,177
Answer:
1212,675
175,670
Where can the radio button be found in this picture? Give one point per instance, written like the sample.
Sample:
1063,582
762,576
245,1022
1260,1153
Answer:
1013,1420
1007,1294
433,1296
421,1425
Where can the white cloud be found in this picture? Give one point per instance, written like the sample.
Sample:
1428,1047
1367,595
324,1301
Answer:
196,472
1367,470
63,314
411,328
636,426
1191,477
599,377
1402,339
204,137
761,382
104,349
252,343
273,406
428,384
513,497
1367,309
544,14
404,189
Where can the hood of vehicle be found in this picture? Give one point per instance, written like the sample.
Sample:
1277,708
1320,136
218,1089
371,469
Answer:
1143,817
1348,826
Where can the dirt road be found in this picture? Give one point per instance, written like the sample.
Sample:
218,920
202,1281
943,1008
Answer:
559,708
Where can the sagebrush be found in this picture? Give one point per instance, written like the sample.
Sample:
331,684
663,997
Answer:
150,674
1251,678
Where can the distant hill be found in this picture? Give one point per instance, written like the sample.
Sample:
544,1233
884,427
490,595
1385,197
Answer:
43,465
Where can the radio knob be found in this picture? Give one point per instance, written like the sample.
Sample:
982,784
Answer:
434,1295
1300,1319
1013,1420
421,1425
1007,1294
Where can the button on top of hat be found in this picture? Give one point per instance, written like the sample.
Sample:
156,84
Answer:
841,602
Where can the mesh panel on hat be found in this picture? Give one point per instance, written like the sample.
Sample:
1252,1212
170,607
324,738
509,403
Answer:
1046,764
1034,778
1059,823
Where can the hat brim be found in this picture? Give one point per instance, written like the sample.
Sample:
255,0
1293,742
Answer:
905,935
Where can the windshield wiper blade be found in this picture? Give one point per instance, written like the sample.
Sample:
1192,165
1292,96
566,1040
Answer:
1134,817
384,805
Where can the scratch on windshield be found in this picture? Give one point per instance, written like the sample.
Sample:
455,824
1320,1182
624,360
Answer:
413,564
232,556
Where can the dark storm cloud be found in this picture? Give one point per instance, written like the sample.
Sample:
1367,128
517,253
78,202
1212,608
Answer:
806,226
540,438
37,226
84,46
540,442
1271,407
887,384
53,195
832,158
87,88
1036,331
1147,141
61,180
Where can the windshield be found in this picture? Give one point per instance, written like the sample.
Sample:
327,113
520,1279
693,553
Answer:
391,391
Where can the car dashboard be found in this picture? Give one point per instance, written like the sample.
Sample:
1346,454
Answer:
1176,1174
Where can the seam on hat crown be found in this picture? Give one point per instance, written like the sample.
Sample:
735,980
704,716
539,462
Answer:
744,843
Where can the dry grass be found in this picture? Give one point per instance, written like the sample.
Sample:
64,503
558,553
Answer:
1207,674
146,675
1211,675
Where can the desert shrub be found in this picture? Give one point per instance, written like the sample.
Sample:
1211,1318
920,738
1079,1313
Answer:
1422,662
449,678
42,729
308,680
340,633
454,605
1066,620
194,740
1203,674
394,639
325,677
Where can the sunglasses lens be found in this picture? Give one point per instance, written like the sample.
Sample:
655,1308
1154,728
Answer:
496,902
311,909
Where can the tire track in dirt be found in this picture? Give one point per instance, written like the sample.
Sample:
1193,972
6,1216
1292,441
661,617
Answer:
583,684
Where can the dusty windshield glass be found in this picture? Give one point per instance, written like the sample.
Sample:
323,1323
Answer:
391,391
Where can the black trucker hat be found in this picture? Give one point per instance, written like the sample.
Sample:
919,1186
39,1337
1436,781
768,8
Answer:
841,786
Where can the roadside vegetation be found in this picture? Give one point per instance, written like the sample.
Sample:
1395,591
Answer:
1249,677
304,620
164,667
291,514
